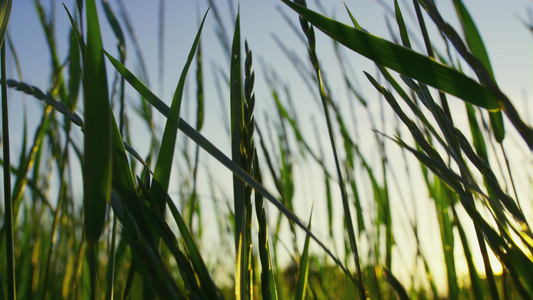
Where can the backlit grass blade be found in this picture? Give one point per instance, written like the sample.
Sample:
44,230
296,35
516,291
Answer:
5,13
477,66
444,198
403,60
26,163
477,47
396,284
97,163
475,281
499,243
218,155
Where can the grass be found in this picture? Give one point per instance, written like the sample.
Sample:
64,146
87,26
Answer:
120,240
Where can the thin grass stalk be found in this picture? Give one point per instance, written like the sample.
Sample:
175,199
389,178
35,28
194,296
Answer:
8,204
55,224
25,165
303,268
199,124
309,32
161,44
349,147
110,274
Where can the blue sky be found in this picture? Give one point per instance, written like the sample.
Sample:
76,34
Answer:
508,41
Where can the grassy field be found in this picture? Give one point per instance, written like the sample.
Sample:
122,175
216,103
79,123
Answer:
95,210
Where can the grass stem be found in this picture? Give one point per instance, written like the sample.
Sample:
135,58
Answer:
8,203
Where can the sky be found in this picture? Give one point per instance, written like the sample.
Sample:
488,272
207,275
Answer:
508,40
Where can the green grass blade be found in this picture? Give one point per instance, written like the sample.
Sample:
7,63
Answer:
403,60
74,70
163,165
194,207
97,165
401,25
303,270
443,200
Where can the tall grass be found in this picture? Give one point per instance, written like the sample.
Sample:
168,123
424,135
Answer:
120,240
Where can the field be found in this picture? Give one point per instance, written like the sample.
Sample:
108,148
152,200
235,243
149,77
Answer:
252,182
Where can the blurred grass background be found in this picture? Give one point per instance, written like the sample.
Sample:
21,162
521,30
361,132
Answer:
91,177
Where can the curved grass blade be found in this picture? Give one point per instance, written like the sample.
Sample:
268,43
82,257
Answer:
403,60
5,13
163,165
477,47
